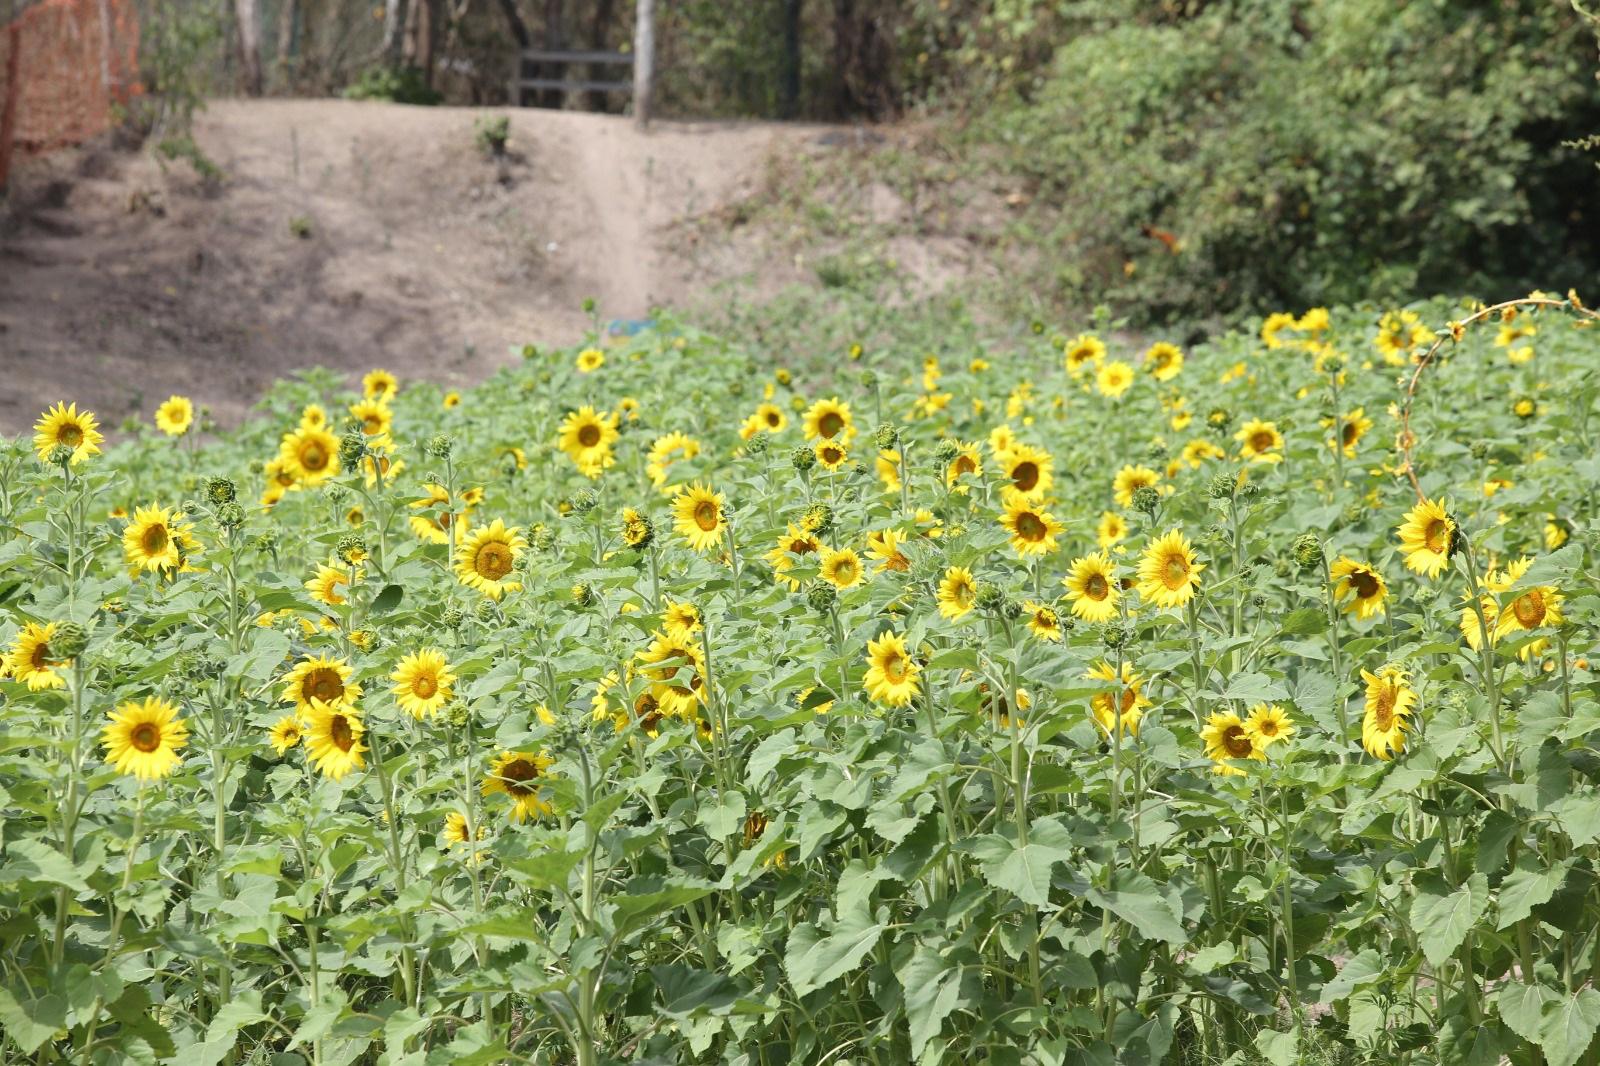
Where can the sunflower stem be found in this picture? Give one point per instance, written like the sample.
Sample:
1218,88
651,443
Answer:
1334,652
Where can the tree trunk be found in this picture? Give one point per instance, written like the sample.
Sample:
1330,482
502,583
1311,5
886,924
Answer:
863,60
789,72
249,19
288,29
600,41
554,41
644,61
394,21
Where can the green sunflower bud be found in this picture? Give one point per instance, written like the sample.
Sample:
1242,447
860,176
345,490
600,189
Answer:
352,446
1307,551
220,490
439,446
757,445
886,436
1146,499
230,515
69,641
821,597
803,458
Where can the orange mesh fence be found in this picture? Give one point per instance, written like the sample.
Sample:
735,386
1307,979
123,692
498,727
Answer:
64,66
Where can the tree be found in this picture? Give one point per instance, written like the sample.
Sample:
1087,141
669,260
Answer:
249,18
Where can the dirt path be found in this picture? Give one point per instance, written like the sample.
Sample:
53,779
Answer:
350,235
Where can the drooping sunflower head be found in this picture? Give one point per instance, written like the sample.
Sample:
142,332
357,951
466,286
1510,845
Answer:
1428,537
63,424
143,738
521,776
891,674
423,682
884,546
829,419
698,516
175,416
1169,576
310,454
488,557
1092,587
333,738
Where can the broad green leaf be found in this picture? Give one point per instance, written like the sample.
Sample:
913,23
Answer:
813,960
1137,900
387,600
1522,1007
1528,886
723,816
34,860
1442,918
1024,869
931,988
1280,1049
30,1022
1569,1027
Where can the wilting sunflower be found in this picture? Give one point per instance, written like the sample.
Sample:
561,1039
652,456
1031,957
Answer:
1084,350
143,739
587,436
286,733
958,592
1390,704
1168,573
1226,737
1028,469
967,463
832,454
1121,708
322,679
1043,622
1269,724
1361,584
842,568
680,619
1352,427
1260,442
1111,529
891,675
829,420
1533,608
65,424
324,588
1427,537
1164,361
380,385
31,662
375,417
310,455
423,682
792,546
175,416
333,738
697,516
157,539
521,776
1092,587
487,558
1033,531
590,360
1113,378
1129,480
884,546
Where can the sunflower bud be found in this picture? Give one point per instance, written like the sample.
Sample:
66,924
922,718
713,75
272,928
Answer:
821,597
990,598
69,640
1307,551
220,490
439,446
365,639
456,713
352,549
452,617
756,445
1333,364
584,501
1036,328
1115,636
1146,499
869,379
487,611
803,458
1219,419
267,540
582,595
1479,450
541,537
782,376
947,450
886,436
637,529
352,447
336,492
230,515
1010,609
818,518
190,507
1223,485
60,455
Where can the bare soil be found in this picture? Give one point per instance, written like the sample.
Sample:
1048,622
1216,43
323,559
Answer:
354,235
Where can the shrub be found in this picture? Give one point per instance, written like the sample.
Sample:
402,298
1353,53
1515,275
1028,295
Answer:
400,85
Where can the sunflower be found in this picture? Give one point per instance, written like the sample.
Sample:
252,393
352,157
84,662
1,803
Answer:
1400,333
520,775
590,360
832,454
1028,469
31,661
320,679
286,733
1033,531
680,619
587,436
1273,326
1556,532
380,385
64,424
324,588
1043,622
891,675
1002,439
487,558
1168,573
1084,350
1129,480
1268,724
175,416
1362,584
1092,587
1533,608
829,419
457,831
1427,537
310,455
1260,442
451,400
794,544
423,682
966,463
1226,738
280,481
958,592
1352,427
698,516
887,466
1111,529
143,739
1113,378
1164,361
665,450
771,419
842,568
375,417
1471,630
884,546
157,539
675,664
1390,702
1122,708
333,738
1199,451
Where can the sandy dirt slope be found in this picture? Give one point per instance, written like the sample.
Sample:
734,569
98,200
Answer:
121,284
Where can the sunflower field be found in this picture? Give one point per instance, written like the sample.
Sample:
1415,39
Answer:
1064,701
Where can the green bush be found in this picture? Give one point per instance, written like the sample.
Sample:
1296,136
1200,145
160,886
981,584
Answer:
1310,154
401,85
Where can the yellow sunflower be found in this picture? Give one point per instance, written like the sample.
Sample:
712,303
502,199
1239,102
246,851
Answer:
1361,584
1260,442
175,416
771,419
891,675
884,546
1111,529
680,619
380,385
1533,608
521,776
1043,622
310,455
1427,537
1084,350
1033,530
1164,361
590,359
1028,469
958,592
666,450
1200,451
31,662
1120,708
829,420
842,568
1113,378
1168,573
423,682
1471,631
451,400
832,454
143,739
1269,724
321,679
1092,587
64,424
324,588
792,547
1131,479
675,664
333,738
1352,427
1390,704
1227,738
1273,326
280,481
887,466
157,539
697,516
375,417
487,558
967,463
286,733
587,436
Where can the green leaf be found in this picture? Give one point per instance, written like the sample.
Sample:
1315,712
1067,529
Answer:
387,600
686,992
1304,621
1443,918
1522,1008
1137,900
931,987
1280,1049
723,816
1569,1028
1023,869
34,860
1528,886
30,1022
813,960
